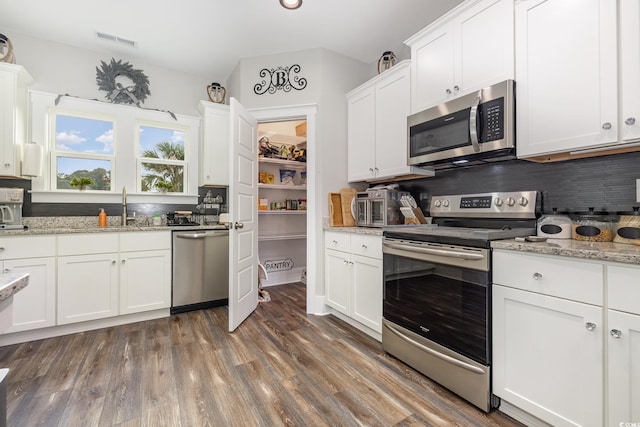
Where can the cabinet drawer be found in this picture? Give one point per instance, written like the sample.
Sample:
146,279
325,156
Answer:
27,247
370,246
145,241
555,276
337,241
82,244
623,288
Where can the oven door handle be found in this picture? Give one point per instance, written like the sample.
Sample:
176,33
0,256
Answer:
435,353
432,251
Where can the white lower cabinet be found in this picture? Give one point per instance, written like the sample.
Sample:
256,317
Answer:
105,275
623,344
353,277
553,330
34,306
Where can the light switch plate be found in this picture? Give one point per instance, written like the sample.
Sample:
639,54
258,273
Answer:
637,190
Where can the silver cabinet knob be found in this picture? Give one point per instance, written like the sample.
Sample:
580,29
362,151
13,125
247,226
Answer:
590,326
6,165
616,333
448,91
537,276
335,242
6,270
345,261
123,262
606,126
630,121
113,262
1,249
456,88
364,246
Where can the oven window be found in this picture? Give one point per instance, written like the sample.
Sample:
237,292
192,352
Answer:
377,211
447,305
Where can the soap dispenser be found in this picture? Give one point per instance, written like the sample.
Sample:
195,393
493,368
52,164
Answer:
102,218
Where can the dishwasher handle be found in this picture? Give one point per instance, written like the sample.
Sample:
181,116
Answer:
202,235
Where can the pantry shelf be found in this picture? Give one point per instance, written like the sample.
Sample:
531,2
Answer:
283,186
283,162
282,237
283,212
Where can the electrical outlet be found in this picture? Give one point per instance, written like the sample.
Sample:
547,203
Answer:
637,190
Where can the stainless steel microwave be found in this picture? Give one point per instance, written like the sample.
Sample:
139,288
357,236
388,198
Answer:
474,128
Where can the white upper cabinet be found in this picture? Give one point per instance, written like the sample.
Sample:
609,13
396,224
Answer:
377,128
566,76
630,69
14,80
468,49
214,144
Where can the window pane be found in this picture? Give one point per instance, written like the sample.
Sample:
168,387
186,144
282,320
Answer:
161,143
83,135
158,177
68,168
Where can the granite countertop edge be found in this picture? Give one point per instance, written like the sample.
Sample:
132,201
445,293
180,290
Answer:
108,229
12,283
371,231
600,251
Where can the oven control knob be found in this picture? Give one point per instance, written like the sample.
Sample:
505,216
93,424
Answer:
445,203
498,201
511,201
522,201
437,203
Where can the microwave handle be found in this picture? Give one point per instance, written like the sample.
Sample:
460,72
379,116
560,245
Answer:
473,123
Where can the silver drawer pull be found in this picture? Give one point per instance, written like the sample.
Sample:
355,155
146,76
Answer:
537,276
630,121
606,126
364,246
335,242
616,333
590,326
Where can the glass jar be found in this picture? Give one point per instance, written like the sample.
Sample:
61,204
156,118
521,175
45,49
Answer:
628,227
555,225
593,226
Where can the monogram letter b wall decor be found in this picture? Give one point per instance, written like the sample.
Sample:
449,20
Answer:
280,78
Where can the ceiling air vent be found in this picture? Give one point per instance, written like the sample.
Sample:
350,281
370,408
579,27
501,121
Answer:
115,39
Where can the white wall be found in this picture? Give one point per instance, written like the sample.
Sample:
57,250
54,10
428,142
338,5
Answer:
64,69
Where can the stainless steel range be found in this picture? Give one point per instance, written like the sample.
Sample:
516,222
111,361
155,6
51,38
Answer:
437,287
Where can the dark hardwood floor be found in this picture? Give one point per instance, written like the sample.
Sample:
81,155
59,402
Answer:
280,367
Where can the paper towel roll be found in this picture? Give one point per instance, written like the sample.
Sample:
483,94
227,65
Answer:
31,159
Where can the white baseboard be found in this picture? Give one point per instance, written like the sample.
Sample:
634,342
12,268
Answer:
283,277
56,331
373,334
520,415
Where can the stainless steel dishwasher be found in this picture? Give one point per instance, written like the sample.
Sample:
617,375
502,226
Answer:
200,269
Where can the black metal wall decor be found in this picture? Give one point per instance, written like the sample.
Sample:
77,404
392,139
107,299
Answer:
280,78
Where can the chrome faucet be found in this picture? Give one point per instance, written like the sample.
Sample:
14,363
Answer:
123,221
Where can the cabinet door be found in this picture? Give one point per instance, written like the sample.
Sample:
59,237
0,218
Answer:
34,306
393,105
624,368
337,280
214,144
484,45
7,121
566,75
630,68
145,281
546,360
432,75
87,287
366,284
361,122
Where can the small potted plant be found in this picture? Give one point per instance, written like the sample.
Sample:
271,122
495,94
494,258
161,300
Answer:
164,186
82,182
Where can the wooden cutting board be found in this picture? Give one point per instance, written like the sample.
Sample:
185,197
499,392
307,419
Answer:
346,196
335,210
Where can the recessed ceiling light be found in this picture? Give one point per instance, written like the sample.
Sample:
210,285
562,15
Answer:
291,4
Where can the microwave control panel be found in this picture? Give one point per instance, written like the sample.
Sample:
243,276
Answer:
492,120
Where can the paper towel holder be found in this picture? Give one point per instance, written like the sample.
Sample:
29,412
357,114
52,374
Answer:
31,160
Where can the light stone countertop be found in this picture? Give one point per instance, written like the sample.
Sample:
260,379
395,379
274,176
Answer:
600,251
371,231
11,283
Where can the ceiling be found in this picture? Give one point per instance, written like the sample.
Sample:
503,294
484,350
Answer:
209,37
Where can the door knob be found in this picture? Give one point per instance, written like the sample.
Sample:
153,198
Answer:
238,225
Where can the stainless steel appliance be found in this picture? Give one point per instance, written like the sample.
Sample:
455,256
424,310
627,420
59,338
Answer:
11,208
378,207
437,287
474,128
200,269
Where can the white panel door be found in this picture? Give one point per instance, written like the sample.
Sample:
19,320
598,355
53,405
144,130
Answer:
566,75
145,281
361,121
548,356
337,277
624,367
243,202
630,68
367,291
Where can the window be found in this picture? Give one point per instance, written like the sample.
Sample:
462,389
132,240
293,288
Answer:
84,148
161,159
